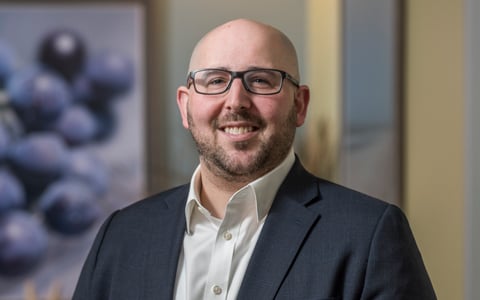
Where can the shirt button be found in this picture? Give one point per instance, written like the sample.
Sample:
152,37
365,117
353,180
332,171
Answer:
216,290
227,235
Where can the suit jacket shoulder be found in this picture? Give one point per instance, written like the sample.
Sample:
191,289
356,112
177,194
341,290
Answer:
135,253
325,241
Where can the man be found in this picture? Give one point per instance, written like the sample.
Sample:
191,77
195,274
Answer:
252,224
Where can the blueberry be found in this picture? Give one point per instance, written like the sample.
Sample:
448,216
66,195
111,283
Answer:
38,97
12,194
82,90
77,125
110,74
70,207
38,159
7,62
85,166
106,120
23,243
64,51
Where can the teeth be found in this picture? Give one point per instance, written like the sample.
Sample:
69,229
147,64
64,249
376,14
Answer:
238,130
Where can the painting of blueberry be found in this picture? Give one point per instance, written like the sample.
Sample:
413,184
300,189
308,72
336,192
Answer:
72,129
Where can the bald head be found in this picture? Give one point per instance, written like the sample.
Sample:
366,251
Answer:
244,44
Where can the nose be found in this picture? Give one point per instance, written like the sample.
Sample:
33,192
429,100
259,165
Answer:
238,97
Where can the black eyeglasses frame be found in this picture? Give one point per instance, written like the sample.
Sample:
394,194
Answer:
240,74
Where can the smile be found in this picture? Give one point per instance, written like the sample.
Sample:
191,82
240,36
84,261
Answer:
238,130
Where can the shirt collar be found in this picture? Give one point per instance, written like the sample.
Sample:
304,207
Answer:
264,188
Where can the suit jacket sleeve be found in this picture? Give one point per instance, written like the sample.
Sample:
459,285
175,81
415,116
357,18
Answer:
85,288
135,253
395,268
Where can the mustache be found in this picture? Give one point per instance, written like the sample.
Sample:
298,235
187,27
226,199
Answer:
244,116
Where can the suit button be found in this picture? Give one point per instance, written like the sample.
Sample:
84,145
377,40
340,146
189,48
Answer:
216,290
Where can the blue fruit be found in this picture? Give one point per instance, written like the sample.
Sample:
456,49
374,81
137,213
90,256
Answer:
38,159
82,90
38,96
110,74
23,243
106,120
70,207
87,167
7,62
64,51
77,125
12,194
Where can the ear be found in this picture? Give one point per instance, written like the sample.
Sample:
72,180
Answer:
183,94
302,98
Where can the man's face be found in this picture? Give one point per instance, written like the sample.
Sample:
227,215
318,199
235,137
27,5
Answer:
239,135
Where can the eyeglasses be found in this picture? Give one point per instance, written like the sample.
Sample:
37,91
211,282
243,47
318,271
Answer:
256,81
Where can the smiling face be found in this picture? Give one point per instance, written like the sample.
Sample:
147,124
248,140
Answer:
241,136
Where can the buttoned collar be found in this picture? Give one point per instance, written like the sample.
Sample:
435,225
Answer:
262,191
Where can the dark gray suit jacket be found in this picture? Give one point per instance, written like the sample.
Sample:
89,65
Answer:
320,241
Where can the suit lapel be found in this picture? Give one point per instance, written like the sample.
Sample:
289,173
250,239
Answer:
167,227
286,227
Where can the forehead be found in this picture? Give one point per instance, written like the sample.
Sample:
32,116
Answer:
241,46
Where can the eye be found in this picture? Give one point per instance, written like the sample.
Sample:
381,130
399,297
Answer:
214,78
262,79
216,81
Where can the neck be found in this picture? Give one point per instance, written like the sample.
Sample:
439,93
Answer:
216,191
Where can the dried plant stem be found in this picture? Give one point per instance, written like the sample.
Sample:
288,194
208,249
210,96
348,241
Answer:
30,293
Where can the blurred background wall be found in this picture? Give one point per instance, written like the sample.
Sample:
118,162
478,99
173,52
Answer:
436,139
472,219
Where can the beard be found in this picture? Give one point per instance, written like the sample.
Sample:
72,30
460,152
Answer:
269,152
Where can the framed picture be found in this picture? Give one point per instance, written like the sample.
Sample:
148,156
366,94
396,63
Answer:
72,134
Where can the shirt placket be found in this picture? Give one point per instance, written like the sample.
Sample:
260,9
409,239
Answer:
220,270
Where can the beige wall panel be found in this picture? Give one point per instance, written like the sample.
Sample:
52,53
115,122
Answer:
434,137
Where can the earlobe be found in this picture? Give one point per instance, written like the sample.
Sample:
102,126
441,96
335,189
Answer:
302,98
182,102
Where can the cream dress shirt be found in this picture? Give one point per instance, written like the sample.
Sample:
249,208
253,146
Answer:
216,252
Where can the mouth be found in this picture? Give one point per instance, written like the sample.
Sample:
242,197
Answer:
238,130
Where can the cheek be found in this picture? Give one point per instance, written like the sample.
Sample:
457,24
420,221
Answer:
269,109
278,113
202,113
